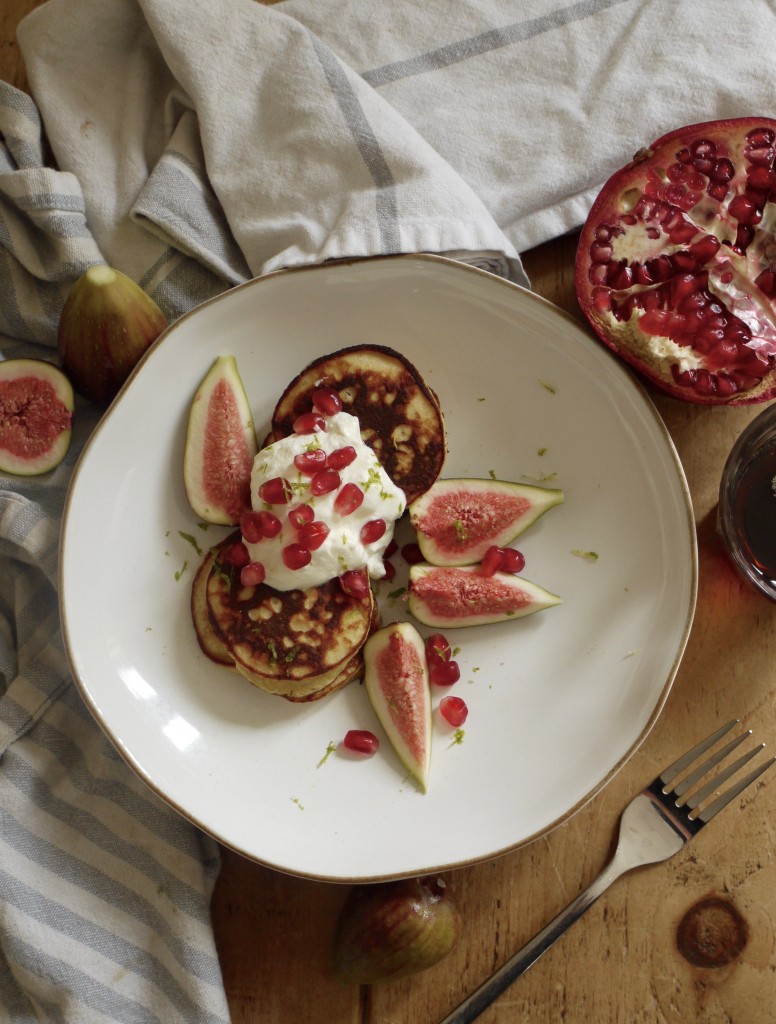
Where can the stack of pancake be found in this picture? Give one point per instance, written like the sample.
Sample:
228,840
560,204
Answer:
304,644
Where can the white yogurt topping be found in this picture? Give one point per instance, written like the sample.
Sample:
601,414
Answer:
342,549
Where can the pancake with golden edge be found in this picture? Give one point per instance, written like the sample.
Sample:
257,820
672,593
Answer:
305,644
399,414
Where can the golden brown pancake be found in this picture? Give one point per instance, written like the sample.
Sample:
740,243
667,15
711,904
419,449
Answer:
210,642
299,637
399,414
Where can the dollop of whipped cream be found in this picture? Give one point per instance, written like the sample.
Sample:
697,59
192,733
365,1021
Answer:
346,546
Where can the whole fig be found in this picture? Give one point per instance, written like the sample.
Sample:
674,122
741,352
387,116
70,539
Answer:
394,929
106,324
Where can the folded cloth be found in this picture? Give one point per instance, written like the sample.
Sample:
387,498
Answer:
198,143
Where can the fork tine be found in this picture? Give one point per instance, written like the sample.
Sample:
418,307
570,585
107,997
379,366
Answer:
724,798
687,759
723,776
682,787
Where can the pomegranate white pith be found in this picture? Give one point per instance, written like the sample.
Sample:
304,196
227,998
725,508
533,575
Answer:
676,266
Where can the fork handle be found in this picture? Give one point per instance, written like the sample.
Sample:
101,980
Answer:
517,964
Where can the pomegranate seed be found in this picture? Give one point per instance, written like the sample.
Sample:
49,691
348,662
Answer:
308,423
375,528
295,556
392,548
438,648
252,574
237,555
310,462
444,673
270,524
361,741
312,535
454,710
341,457
300,515
277,491
412,554
390,570
355,583
513,560
349,499
492,560
324,481
327,401
250,527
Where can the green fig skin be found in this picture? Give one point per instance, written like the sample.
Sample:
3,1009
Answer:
394,929
106,325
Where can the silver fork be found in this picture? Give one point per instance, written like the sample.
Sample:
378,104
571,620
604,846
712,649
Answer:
654,826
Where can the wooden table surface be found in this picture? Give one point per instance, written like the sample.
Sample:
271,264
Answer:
622,961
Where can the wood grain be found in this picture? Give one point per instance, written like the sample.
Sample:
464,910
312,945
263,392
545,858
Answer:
621,961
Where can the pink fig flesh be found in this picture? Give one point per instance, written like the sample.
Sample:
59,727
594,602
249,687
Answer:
36,416
394,929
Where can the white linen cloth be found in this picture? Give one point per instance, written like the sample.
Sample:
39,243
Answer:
197,143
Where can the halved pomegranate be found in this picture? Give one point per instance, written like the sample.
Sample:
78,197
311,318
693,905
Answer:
676,266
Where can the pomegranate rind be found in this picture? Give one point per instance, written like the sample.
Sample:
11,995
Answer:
36,416
689,231
397,683
456,596
457,520
220,446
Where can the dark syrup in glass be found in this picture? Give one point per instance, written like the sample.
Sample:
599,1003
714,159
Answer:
754,513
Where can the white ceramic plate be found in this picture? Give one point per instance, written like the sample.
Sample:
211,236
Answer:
557,701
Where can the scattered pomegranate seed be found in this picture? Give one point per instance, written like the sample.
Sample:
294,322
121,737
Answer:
341,457
252,574
312,535
250,527
269,523
324,481
453,710
443,673
300,515
438,648
412,553
277,491
514,560
373,530
492,560
295,556
308,423
237,555
392,548
349,499
327,401
390,570
355,583
310,462
361,741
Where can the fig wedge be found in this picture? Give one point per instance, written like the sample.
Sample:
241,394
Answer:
452,596
220,446
457,520
396,680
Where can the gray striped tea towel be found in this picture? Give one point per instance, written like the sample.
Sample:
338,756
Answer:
198,143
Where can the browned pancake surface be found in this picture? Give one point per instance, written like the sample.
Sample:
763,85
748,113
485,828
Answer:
399,414
293,635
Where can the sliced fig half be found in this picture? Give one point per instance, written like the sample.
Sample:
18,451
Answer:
396,680
457,520
220,446
676,266
36,416
451,596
